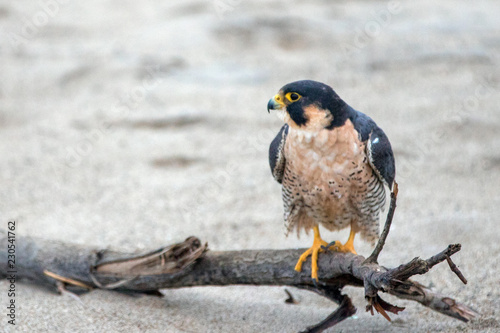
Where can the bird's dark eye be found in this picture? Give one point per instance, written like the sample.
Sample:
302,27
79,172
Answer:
293,97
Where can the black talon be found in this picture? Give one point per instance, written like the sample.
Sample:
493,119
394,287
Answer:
315,282
326,248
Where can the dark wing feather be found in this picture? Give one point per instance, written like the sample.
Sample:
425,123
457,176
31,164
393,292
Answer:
276,154
381,157
378,147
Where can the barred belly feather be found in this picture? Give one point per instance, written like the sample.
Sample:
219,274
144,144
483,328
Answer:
328,180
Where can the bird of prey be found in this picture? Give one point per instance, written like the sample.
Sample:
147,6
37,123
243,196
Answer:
333,163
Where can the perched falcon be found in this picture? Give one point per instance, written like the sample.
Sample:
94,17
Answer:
333,163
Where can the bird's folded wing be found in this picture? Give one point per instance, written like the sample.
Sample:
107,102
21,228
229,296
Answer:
380,156
276,154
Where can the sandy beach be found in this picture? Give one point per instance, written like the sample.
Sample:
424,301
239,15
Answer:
133,125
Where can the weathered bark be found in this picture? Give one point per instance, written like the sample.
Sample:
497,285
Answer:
189,264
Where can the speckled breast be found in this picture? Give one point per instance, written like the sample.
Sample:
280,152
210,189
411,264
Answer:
328,175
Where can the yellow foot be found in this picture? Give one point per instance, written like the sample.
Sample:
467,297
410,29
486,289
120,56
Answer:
347,247
313,251
320,245
337,246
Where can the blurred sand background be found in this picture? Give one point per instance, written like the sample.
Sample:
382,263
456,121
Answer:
135,124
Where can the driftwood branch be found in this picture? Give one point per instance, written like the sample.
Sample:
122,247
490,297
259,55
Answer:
189,264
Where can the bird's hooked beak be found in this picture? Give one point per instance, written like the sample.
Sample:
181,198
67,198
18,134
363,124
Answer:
275,103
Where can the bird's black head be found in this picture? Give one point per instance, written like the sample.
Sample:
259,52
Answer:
309,105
